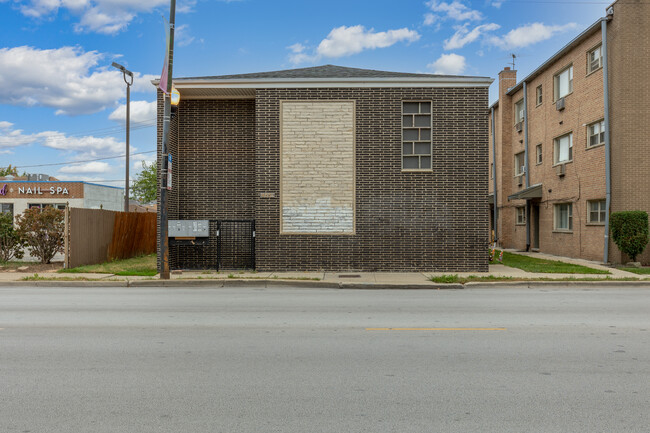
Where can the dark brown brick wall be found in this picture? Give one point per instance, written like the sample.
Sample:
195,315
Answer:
227,156
404,221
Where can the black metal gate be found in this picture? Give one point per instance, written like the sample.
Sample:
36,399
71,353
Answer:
235,244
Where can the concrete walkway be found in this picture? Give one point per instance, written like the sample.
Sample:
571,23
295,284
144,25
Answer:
345,279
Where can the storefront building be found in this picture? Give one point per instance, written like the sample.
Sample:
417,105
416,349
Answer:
18,195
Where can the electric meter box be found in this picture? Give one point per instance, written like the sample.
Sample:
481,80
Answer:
189,228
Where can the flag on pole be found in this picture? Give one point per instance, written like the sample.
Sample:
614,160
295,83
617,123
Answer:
163,77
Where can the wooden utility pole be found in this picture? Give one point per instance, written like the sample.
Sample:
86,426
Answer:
164,238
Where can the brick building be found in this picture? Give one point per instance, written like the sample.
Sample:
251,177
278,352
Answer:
557,142
331,168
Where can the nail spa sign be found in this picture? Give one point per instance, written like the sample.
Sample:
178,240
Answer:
37,190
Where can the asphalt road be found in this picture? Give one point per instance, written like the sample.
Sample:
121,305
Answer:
304,360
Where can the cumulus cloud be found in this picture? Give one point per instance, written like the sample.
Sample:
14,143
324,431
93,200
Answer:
141,112
449,64
100,16
88,167
67,79
10,137
463,36
528,34
346,41
454,10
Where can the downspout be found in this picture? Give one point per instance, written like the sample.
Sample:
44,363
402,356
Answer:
526,165
608,175
494,168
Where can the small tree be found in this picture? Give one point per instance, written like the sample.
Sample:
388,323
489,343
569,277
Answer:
43,231
9,170
146,184
11,244
630,231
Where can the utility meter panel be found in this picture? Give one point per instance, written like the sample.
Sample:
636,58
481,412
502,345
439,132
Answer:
189,228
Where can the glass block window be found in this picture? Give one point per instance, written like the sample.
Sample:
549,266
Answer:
416,135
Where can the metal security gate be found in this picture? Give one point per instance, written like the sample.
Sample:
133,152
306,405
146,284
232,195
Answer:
235,244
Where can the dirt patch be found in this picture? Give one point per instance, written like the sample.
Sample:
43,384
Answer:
31,267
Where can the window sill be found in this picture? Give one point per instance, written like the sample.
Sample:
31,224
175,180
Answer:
520,224
594,71
568,94
417,170
562,163
594,146
596,224
563,231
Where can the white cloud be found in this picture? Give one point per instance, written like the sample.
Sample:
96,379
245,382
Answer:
67,79
88,167
497,4
430,19
182,38
448,64
141,112
100,16
346,41
463,36
528,34
10,137
454,10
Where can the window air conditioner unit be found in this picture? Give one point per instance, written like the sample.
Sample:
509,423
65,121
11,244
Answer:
560,105
520,180
560,170
519,126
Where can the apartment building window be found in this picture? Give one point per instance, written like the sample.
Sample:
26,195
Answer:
520,165
538,153
596,133
538,95
563,83
416,135
563,149
563,217
519,111
596,211
521,216
594,59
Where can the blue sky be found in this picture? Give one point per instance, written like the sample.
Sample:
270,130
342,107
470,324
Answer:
62,102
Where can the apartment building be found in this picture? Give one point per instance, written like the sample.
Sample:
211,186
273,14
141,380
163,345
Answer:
569,144
329,168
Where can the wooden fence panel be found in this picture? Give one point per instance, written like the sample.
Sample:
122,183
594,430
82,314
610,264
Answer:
90,232
96,236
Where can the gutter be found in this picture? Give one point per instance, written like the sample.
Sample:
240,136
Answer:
608,173
494,167
526,165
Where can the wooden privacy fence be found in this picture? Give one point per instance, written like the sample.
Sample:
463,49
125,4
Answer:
95,236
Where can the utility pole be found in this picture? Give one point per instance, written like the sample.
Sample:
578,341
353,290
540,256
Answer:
126,72
164,228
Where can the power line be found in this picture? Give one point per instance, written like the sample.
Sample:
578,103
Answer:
79,162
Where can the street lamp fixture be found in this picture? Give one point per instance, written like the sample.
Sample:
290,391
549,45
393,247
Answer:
128,82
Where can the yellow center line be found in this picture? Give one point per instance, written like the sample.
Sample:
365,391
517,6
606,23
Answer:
436,329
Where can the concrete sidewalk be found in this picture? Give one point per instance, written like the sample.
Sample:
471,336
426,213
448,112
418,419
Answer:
344,279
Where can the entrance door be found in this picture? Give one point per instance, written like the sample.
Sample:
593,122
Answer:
236,244
535,212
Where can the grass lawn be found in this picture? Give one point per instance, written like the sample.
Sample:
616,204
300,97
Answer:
144,266
640,271
532,264
448,279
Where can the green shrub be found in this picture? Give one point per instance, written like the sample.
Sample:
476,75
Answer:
11,243
630,231
43,231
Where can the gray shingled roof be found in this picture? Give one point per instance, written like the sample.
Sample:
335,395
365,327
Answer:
326,71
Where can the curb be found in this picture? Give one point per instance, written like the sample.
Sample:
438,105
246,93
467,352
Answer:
542,284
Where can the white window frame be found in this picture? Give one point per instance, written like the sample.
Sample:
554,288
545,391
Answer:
600,134
539,156
557,149
599,61
600,211
520,166
520,111
539,95
557,82
557,210
520,215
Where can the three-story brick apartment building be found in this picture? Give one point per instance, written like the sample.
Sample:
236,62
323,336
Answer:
572,141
